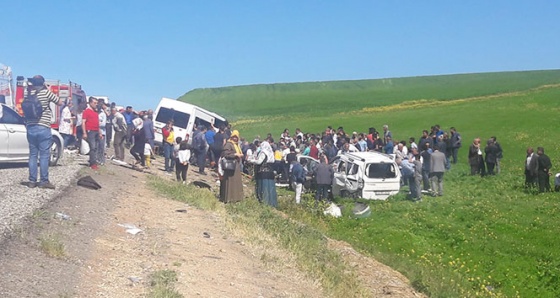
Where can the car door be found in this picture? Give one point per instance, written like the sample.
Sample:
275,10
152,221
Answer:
17,145
339,181
3,136
351,181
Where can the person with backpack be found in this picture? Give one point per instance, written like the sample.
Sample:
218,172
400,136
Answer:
38,114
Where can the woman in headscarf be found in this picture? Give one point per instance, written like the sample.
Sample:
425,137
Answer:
264,175
231,186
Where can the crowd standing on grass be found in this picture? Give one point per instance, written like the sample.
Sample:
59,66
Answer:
422,162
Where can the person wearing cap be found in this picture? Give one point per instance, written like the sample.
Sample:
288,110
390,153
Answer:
91,131
39,135
231,185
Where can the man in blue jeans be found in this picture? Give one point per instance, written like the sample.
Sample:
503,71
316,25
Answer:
168,136
39,134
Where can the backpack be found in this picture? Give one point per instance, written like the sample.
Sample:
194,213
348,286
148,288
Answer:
32,108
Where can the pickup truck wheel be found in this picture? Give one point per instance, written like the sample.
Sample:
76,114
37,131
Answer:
56,149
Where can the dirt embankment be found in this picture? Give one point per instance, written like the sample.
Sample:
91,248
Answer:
79,246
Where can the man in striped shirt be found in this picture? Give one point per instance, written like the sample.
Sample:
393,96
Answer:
39,134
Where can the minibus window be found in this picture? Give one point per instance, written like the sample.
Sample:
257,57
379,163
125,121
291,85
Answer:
180,119
198,122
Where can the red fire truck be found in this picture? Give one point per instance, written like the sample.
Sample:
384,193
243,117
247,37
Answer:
66,92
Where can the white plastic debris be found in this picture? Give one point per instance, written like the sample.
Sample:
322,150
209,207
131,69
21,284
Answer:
333,210
62,216
130,228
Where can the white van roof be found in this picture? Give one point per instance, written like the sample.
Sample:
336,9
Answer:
173,103
370,156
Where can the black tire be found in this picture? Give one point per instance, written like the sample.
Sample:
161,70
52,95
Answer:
56,151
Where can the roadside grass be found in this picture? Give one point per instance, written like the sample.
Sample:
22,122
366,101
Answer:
162,284
486,237
51,245
269,228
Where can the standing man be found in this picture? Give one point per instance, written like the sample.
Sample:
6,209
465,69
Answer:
531,168
65,127
437,169
168,139
200,146
455,143
91,131
298,177
324,175
426,155
476,161
128,116
386,133
499,154
210,141
544,166
120,128
109,126
39,134
149,130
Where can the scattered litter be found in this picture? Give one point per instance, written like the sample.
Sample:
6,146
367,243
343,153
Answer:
62,216
118,162
89,182
213,257
134,279
181,210
131,229
206,235
201,184
333,210
361,210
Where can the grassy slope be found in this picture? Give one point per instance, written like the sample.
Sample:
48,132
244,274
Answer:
324,97
485,233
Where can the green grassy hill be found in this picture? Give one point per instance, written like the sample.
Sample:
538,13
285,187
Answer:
487,236
325,98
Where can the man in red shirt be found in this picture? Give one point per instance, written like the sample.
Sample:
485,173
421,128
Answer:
92,133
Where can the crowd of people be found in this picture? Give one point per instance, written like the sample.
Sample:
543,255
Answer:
422,162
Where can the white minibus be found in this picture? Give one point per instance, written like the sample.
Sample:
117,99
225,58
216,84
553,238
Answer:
185,118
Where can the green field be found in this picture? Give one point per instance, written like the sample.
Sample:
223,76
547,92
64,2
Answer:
486,236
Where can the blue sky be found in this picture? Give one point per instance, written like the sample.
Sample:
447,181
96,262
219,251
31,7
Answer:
136,52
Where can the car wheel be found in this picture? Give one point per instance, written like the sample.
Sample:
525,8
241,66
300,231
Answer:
56,149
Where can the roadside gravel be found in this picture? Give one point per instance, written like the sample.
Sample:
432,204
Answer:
18,201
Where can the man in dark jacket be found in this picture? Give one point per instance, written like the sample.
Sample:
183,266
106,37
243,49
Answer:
298,177
543,171
491,158
455,143
531,168
200,146
324,175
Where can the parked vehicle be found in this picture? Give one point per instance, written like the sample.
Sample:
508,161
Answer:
368,175
13,138
185,118
66,92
